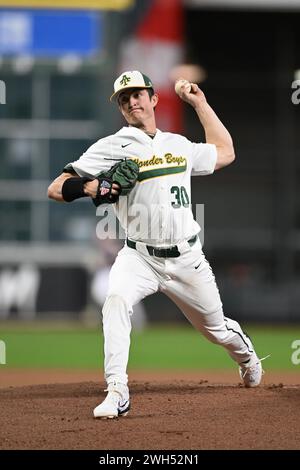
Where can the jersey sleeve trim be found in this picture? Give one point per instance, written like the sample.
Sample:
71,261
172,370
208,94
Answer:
69,169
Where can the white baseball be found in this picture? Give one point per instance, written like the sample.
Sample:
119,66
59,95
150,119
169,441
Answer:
179,83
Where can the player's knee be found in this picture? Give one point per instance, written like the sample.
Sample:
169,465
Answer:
212,308
116,303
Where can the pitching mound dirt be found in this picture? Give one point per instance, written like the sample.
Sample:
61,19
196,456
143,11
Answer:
179,415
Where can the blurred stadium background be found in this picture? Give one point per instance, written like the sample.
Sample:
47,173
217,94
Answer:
58,61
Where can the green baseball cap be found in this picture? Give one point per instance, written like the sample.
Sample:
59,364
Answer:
130,79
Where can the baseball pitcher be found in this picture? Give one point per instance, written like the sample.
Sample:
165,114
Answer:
143,169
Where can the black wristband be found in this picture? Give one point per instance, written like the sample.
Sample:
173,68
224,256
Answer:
73,188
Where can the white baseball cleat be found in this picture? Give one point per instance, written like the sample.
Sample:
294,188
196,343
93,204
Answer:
116,403
252,372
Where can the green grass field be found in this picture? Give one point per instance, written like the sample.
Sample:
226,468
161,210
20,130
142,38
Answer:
164,347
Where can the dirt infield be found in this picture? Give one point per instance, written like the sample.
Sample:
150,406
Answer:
167,413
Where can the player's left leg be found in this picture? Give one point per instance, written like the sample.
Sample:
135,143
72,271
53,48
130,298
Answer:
194,290
131,279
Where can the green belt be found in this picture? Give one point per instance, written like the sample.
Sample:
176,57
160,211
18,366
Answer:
171,252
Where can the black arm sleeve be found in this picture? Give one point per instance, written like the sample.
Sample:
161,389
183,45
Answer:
73,188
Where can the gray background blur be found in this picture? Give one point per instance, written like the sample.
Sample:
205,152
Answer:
55,109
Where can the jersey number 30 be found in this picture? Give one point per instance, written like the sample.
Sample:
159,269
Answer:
181,196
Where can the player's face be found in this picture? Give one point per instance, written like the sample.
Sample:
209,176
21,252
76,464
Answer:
136,106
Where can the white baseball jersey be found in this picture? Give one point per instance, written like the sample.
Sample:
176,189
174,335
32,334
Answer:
157,211
161,198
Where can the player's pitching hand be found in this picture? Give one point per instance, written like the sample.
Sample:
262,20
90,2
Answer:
192,95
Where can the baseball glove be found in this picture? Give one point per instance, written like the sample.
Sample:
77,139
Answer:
124,174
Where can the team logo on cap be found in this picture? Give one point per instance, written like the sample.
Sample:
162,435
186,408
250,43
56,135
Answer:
125,80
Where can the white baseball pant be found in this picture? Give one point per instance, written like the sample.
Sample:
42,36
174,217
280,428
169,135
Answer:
135,275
